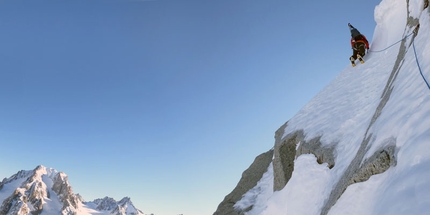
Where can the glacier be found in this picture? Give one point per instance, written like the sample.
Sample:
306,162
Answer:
362,144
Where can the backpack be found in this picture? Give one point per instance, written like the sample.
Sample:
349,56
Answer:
355,33
359,37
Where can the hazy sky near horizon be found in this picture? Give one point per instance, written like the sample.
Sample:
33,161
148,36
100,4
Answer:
164,101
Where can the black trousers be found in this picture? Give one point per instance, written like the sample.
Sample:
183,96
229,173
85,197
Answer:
359,48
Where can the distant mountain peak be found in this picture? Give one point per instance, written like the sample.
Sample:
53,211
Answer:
105,204
122,207
35,191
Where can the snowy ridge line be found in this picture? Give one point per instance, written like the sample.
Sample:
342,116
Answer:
393,43
418,64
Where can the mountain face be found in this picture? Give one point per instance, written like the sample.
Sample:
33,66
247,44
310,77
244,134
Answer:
361,145
122,207
45,190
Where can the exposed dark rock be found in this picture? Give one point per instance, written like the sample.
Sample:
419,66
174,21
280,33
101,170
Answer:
378,163
36,195
286,151
250,178
324,154
16,204
284,155
65,193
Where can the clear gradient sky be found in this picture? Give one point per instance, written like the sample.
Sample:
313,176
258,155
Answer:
164,101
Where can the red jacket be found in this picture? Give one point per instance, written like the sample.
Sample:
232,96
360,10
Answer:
361,40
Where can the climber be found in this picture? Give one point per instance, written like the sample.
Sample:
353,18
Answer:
359,45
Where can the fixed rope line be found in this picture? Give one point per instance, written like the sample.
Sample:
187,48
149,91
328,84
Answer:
418,64
393,43
415,53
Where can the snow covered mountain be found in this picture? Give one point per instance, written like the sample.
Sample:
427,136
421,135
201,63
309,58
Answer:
122,207
360,146
47,191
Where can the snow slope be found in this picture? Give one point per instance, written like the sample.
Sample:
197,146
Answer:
366,112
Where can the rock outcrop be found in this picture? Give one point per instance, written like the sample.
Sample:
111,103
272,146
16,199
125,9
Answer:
65,193
249,179
16,204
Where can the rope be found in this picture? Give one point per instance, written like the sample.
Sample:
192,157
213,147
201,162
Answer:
415,52
418,64
393,43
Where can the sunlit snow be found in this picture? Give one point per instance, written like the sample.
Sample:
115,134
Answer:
342,113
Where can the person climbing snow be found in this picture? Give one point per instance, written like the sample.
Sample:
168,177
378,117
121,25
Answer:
359,45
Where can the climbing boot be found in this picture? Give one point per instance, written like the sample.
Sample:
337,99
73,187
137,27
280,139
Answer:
352,61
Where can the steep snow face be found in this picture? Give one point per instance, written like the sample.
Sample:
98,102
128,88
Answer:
46,191
375,117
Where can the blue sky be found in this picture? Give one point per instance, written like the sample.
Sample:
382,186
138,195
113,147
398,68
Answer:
165,101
